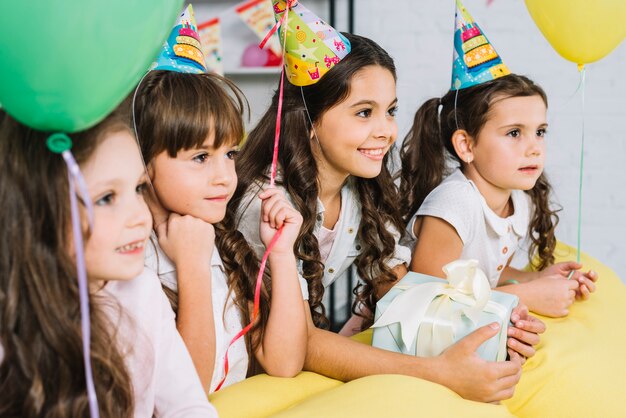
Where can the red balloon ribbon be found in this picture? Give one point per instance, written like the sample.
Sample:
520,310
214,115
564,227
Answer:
274,167
278,24
257,300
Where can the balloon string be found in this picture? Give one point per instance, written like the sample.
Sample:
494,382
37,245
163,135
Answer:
75,177
273,171
582,160
279,110
257,304
278,24
274,166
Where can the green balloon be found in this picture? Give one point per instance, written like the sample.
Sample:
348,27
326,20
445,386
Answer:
65,64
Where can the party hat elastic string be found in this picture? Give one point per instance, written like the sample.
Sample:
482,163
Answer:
134,117
61,144
456,121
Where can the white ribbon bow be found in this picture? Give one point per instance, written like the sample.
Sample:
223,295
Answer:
430,305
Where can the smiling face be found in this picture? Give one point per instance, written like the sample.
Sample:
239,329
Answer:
355,134
197,182
116,180
509,153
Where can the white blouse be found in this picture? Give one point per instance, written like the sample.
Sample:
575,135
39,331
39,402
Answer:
487,237
165,382
228,322
344,249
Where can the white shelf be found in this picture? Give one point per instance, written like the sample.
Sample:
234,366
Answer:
253,71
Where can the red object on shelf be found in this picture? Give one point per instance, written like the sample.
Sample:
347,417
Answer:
273,60
253,56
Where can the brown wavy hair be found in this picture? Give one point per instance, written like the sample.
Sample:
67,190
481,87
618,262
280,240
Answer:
42,373
177,111
427,153
299,172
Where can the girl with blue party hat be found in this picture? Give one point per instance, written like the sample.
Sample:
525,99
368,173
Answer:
473,179
189,125
140,365
336,128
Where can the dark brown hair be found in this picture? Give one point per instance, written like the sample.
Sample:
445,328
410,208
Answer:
299,173
42,373
427,151
178,111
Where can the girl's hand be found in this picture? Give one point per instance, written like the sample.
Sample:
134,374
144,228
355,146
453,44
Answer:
277,212
586,280
587,284
185,239
550,296
474,378
524,334
559,270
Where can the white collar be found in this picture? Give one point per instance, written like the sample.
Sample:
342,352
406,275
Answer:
518,221
163,264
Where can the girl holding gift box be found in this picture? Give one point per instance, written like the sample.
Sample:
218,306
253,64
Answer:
334,142
189,127
140,364
492,125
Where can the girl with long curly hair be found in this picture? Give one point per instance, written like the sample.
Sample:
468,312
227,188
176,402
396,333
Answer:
335,138
333,169
140,365
189,127
474,187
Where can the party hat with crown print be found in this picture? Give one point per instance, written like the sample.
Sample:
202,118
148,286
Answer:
475,60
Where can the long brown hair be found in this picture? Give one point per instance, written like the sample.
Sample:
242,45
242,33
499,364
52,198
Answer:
299,172
177,111
427,152
42,373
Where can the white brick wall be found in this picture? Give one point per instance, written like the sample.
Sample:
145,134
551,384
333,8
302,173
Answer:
418,34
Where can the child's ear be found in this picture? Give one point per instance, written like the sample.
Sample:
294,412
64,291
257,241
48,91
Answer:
463,145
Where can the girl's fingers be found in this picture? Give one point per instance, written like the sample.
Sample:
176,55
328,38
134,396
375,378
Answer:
275,210
571,265
267,206
279,220
269,192
515,356
520,348
525,337
588,283
584,291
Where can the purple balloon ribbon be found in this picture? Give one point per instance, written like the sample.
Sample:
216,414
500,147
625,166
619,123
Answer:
74,178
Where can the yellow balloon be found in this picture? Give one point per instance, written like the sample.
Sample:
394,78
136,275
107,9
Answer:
582,31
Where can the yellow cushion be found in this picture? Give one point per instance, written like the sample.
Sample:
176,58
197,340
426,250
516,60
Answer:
392,396
579,371
580,367
263,395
